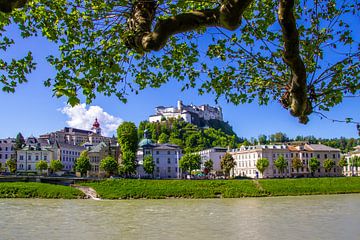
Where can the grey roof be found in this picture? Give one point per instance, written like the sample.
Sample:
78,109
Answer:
70,146
320,147
98,147
166,146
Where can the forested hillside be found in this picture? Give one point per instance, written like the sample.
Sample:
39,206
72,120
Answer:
190,137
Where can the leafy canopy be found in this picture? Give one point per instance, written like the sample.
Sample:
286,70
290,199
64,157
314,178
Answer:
227,163
98,51
262,164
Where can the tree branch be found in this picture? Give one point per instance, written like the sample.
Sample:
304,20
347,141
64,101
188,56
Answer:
7,6
296,96
142,39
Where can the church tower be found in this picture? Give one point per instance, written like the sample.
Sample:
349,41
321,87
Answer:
96,127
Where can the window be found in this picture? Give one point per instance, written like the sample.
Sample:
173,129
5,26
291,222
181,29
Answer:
29,167
157,160
21,166
325,155
21,157
6,148
157,152
318,156
334,156
169,161
0,156
6,156
36,158
157,169
169,169
168,152
45,157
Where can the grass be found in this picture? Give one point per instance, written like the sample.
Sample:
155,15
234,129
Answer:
38,190
157,189
310,186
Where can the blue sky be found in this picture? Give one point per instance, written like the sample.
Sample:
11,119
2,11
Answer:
32,110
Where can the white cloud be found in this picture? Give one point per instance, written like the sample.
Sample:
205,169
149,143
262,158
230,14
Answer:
82,117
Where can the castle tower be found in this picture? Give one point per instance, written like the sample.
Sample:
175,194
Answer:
96,127
179,106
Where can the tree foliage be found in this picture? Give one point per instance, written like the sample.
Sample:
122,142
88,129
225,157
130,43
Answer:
329,164
314,165
188,136
82,163
208,166
302,53
227,163
343,163
189,162
281,164
41,165
128,141
296,163
149,164
262,164
109,165
56,165
19,141
11,165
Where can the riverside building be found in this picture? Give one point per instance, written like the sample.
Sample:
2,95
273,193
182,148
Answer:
165,156
246,158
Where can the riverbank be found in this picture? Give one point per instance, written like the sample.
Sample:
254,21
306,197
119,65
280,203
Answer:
158,189
38,190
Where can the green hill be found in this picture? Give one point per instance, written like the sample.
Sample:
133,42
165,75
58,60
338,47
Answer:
190,137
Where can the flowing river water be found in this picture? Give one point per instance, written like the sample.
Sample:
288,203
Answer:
304,217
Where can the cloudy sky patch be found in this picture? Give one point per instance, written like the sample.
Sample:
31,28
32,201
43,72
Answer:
83,117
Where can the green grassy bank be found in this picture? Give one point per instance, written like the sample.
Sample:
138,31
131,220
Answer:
155,189
37,190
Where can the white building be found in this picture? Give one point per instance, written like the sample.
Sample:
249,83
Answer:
246,158
30,155
189,113
215,154
165,156
6,150
350,169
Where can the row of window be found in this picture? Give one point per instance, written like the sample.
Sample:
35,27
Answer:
168,161
286,155
169,169
7,148
6,156
71,152
37,158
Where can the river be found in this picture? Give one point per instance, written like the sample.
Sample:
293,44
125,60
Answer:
304,217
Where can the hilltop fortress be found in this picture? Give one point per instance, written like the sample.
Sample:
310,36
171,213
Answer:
197,115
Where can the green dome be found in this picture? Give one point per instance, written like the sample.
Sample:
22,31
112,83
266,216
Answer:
145,142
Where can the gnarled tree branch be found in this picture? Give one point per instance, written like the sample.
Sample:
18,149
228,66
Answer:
141,38
7,6
296,95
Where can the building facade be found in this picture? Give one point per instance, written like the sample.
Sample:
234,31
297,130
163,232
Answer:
215,154
165,156
352,169
7,151
246,158
28,156
189,113
67,154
